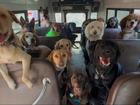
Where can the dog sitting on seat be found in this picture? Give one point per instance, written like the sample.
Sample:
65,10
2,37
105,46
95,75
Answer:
103,68
94,31
9,49
112,22
64,44
128,25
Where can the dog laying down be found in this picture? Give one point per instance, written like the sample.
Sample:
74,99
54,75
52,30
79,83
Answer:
103,69
29,43
112,23
128,25
77,90
9,51
59,58
29,40
64,44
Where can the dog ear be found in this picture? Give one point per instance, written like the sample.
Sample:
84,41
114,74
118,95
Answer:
70,43
22,20
57,45
32,24
36,40
123,22
14,18
24,43
50,57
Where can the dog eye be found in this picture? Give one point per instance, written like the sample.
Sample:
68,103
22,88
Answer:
2,16
98,27
64,55
61,46
67,44
56,56
26,36
136,20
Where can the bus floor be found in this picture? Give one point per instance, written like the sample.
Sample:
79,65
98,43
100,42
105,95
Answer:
77,61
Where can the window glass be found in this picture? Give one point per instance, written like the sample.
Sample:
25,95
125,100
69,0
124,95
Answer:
137,11
121,14
77,18
111,13
16,27
58,17
93,15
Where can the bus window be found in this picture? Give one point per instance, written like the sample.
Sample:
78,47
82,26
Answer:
93,15
111,13
121,14
77,18
137,11
16,27
58,17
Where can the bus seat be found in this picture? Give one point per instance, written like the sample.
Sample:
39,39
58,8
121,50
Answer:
41,31
49,41
111,33
125,90
130,55
22,95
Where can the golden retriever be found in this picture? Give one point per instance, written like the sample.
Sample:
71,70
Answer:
11,53
59,58
64,44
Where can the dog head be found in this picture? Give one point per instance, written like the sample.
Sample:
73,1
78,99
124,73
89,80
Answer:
6,19
80,84
112,22
26,25
94,30
104,54
59,58
27,39
129,22
64,44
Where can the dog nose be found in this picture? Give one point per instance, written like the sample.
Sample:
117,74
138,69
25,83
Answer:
61,64
107,51
132,23
95,32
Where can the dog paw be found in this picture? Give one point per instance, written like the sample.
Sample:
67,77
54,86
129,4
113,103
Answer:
12,85
27,82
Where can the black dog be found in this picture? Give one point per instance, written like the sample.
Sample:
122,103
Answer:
103,68
112,22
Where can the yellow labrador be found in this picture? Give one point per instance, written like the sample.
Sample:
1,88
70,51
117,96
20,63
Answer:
11,53
64,44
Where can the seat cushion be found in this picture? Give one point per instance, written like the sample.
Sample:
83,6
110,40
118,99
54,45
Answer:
22,94
125,90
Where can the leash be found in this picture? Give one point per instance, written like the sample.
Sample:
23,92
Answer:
45,82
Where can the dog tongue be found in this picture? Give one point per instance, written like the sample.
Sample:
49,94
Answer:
2,37
105,61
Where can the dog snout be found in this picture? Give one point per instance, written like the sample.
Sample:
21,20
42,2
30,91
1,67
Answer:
61,64
132,23
107,51
95,32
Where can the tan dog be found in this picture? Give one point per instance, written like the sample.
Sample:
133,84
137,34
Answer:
59,58
64,44
29,40
128,25
10,53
